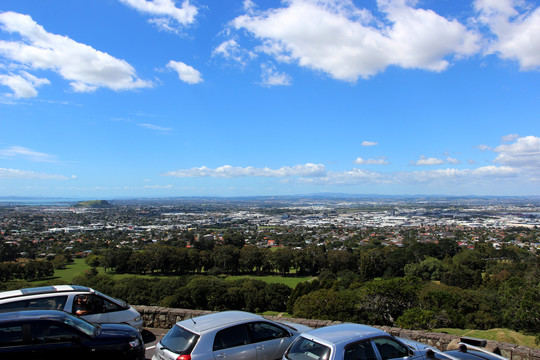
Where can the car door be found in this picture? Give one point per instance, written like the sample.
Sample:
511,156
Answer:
52,340
233,343
94,305
270,340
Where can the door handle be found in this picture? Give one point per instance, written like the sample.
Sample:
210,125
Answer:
260,347
221,356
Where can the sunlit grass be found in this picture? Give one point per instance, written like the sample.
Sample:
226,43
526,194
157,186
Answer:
501,335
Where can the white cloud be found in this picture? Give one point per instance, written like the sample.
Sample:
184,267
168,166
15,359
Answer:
167,12
227,171
272,77
155,127
369,143
21,174
87,69
525,152
23,85
379,161
350,177
335,37
516,28
230,50
185,72
452,160
483,147
428,161
509,137
20,151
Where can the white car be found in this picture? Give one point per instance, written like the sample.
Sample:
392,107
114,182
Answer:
353,342
89,304
234,335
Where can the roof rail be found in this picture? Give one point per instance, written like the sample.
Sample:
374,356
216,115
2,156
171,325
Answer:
430,354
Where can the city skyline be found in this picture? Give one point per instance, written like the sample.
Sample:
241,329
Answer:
135,98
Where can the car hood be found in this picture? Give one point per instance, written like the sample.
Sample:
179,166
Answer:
117,330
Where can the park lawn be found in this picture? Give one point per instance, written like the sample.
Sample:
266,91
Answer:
75,269
274,279
501,335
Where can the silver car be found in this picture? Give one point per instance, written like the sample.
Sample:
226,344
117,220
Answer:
353,342
234,335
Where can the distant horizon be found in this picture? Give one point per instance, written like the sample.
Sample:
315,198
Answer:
254,98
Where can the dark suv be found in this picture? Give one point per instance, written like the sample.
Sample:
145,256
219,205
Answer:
53,334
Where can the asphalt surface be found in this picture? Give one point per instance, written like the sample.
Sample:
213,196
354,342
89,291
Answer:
151,336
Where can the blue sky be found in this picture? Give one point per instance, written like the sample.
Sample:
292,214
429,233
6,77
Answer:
116,98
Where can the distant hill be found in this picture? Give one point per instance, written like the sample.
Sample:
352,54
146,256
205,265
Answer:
96,204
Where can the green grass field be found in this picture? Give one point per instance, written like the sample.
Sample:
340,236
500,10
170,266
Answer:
273,279
501,335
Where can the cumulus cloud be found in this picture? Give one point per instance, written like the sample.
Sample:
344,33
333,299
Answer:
379,161
169,16
428,161
272,77
227,171
369,143
515,26
21,174
525,152
230,50
185,72
87,69
20,151
23,85
345,42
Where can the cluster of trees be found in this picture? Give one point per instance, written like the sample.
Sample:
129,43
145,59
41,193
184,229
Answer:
29,271
369,262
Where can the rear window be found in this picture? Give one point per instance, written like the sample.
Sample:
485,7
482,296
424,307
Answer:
304,349
180,340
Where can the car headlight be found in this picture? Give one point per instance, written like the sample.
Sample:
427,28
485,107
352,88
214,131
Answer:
137,318
135,343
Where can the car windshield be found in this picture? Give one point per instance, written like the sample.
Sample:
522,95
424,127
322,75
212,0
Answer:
84,326
179,340
304,349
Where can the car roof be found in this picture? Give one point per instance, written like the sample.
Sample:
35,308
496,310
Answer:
343,333
11,315
217,320
43,290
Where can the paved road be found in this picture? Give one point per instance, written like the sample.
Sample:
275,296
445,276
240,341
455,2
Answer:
151,336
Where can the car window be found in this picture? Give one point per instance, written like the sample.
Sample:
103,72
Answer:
390,349
262,331
13,305
180,340
45,332
304,349
11,335
110,306
53,302
361,350
231,337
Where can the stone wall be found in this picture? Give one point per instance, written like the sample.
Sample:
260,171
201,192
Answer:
164,318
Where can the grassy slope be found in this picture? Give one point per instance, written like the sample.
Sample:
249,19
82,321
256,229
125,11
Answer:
501,335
